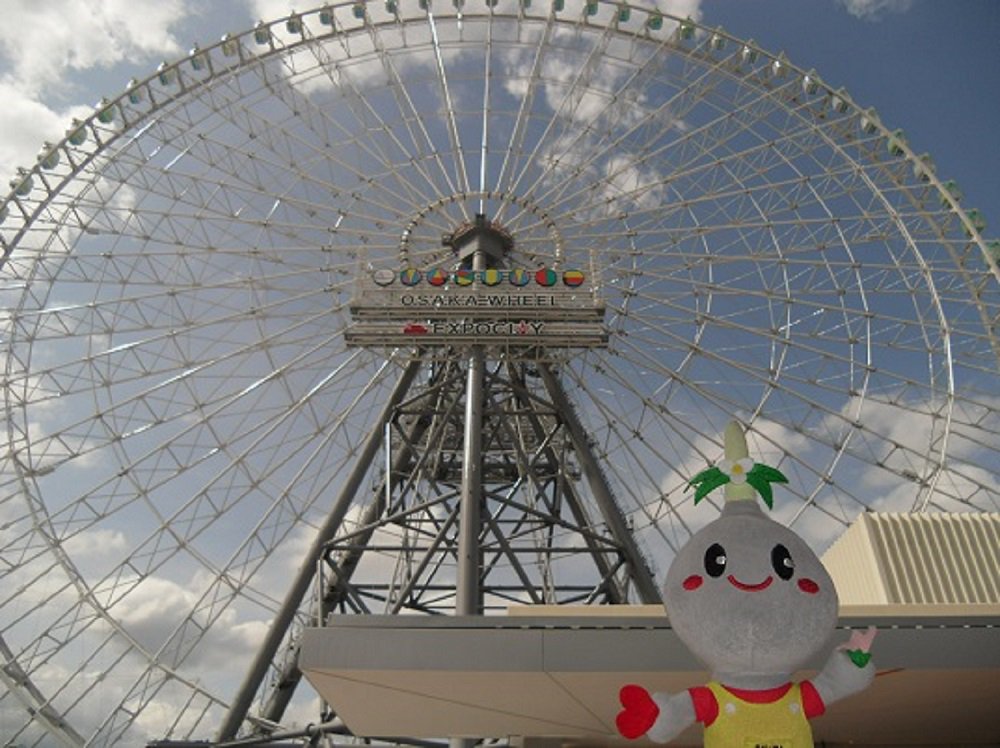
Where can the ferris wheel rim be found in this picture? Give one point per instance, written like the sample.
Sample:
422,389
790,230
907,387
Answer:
276,46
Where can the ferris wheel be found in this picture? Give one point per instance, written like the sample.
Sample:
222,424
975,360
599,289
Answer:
414,308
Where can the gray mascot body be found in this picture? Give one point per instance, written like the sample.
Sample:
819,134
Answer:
753,602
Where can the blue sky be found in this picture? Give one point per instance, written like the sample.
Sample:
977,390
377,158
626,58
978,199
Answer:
930,68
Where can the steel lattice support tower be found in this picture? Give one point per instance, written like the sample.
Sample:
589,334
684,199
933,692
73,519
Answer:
488,494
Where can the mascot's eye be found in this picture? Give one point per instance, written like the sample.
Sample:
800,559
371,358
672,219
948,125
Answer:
715,560
782,562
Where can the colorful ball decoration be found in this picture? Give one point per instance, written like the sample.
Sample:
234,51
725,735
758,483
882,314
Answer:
384,277
410,277
492,276
464,277
519,277
437,277
573,278
546,277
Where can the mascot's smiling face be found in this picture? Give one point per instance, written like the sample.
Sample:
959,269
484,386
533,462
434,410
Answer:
749,597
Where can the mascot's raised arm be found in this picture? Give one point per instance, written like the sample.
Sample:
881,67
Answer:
753,602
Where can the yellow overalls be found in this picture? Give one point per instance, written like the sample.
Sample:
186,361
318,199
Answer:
743,724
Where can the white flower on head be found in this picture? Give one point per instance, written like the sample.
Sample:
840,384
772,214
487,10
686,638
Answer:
736,470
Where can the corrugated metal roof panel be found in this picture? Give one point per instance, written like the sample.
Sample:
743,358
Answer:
854,566
918,558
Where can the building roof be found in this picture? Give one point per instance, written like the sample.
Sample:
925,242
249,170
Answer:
930,583
542,674
918,559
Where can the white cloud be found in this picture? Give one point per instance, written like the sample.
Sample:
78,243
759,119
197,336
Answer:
681,8
99,542
625,178
874,10
25,123
268,10
156,606
43,40
897,453
42,44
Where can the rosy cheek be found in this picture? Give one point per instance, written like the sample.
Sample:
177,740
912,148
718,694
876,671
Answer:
693,582
808,586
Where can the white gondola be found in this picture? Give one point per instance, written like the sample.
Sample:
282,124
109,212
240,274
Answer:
48,157
717,42
199,60
136,92
105,112
262,33
869,122
22,183
810,83
748,55
77,134
166,74
839,102
778,68
230,46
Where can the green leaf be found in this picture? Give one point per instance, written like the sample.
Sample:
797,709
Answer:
707,481
704,475
762,487
769,474
858,657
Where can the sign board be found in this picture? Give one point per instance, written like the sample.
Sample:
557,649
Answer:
543,307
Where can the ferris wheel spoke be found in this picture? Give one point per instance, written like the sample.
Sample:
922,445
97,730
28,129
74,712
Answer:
462,176
519,131
635,462
693,176
114,579
131,564
557,123
908,454
322,127
720,406
421,145
183,641
80,376
685,150
255,185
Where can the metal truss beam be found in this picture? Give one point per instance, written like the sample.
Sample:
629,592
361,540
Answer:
297,589
639,570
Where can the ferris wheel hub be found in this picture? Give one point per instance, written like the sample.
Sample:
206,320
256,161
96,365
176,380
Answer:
483,236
